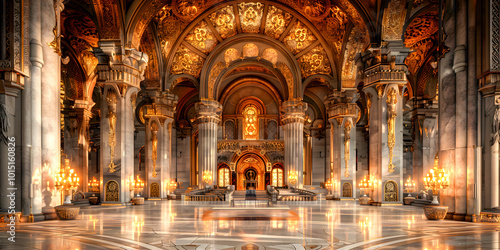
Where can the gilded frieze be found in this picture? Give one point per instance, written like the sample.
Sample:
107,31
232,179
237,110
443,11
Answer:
270,55
393,20
315,62
151,73
391,125
287,73
276,22
224,22
355,45
188,9
214,73
202,38
186,62
169,28
250,16
299,38
336,26
314,9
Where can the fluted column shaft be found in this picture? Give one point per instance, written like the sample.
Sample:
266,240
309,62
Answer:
207,118
293,120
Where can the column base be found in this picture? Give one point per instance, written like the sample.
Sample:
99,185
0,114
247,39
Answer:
449,216
36,218
459,217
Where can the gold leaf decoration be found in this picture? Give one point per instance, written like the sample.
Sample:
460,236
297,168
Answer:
271,55
250,16
214,73
393,21
315,62
230,55
287,73
299,38
186,62
355,45
250,50
276,22
224,22
202,38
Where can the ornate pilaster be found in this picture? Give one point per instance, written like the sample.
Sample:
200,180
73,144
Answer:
293,117
384,83
343,114
119,72
158,116
207,119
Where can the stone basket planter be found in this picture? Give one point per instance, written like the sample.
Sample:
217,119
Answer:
435,212
365,200
408,200
67,212
138,200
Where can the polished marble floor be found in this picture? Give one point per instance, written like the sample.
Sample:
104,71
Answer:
328,225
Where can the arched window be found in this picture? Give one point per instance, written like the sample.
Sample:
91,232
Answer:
224,176
277,177
250,123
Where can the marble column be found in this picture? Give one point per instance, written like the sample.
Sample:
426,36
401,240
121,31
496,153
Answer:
208,117
120,70
424,125
342,114
293,128
50,106
37,62
384,84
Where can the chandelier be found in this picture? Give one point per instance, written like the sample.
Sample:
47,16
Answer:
94,185
437,179
66,180
136,185
365,184
410,185
293,177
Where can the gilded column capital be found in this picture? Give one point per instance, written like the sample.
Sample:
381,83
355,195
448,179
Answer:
208,111
341,105
118,65
293,111
163,107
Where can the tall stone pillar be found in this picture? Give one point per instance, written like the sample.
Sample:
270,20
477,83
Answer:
424,125
50,104
158,117
343,114
119,71
35,106
207,118
384,84
293,113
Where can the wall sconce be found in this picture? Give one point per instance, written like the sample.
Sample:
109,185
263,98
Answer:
293,177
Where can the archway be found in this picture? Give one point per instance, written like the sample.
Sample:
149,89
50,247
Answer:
251,170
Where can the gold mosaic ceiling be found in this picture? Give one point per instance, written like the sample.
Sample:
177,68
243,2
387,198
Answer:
255,17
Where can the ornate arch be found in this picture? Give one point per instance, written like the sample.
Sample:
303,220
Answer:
194,47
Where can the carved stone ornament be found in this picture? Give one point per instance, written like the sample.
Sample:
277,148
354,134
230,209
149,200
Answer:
111,100
4,123
347,145
391,125
154,146
391,191
346,189
393,20
495,130
112,190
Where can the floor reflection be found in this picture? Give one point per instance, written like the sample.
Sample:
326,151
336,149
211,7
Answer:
328,225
